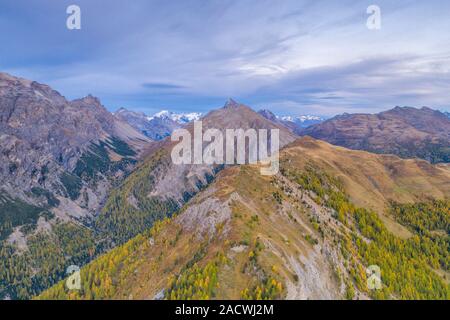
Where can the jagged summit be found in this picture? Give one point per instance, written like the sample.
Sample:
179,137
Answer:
33,114
120,110
268,114
89,100
231,104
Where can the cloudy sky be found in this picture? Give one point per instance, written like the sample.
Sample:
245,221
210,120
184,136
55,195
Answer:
290,56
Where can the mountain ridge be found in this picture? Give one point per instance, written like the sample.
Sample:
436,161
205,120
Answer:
59,160
295,124
158,126
246,236
404,131
100,186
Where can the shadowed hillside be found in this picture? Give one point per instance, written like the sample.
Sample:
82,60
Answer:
407,132
302,234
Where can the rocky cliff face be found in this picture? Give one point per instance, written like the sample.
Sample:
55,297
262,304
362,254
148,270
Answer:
67,151
306,233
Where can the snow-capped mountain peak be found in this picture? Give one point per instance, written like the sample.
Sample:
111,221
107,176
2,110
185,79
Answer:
302,118
160,114
180,118
186,117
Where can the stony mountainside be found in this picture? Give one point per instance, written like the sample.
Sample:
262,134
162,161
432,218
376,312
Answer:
58,159
404,131
159,187
155,189
302,234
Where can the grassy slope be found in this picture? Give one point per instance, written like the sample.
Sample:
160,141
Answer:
25,272
177,246
373,180
248,251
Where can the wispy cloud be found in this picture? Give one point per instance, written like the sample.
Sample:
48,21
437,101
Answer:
162,86
292,56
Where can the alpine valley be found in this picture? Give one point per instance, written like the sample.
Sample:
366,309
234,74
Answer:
82,186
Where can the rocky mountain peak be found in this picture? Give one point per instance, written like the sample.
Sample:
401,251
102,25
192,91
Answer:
122,110
51,134
231,104
268,114
89,101
404,131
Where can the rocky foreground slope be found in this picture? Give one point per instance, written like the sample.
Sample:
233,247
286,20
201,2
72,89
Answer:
59,151
309,232
59,159
74,190
158,187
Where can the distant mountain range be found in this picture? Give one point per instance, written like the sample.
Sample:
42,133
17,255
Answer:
404,131
302,234
162,124
82,186
303,121
157,126
295,124
181,118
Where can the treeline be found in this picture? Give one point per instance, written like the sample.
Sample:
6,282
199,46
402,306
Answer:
101,278
196,283
269,289
406,265
26,273
16,212
44,262
129,209
424,217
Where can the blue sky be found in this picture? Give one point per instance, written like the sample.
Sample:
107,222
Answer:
290,56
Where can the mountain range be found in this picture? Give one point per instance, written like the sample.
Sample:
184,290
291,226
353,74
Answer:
181,118
59,161
162,124
404,131
295,124
303,234
82,186
158,126
71,152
